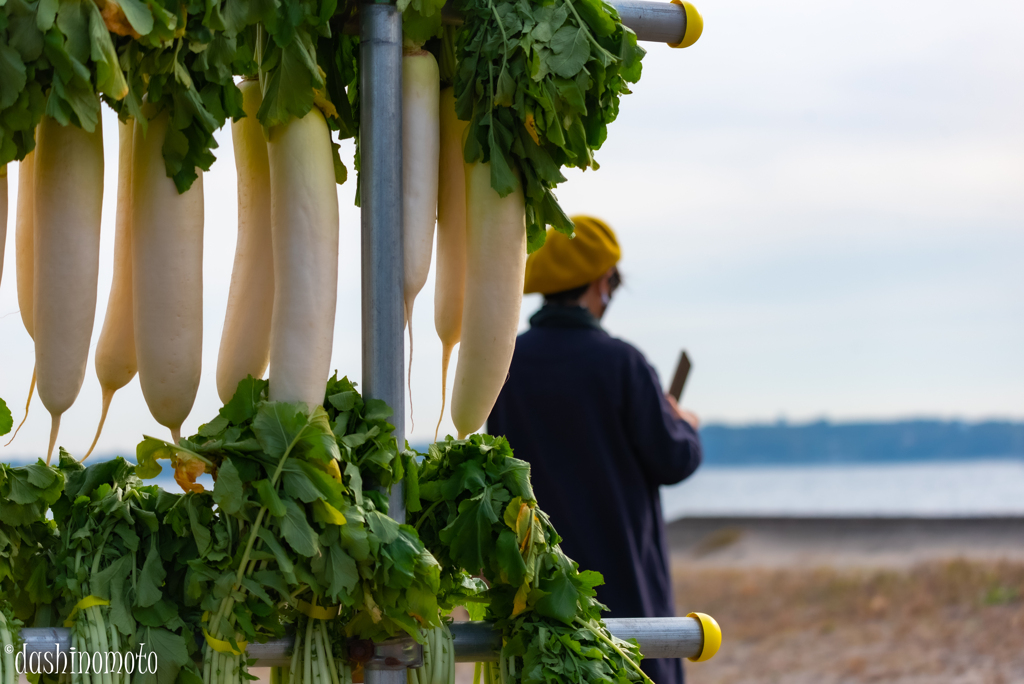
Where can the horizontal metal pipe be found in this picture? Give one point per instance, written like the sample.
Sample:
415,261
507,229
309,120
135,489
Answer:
41,640
675,637
654,22
680,637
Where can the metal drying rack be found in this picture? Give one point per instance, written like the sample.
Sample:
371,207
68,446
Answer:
380,29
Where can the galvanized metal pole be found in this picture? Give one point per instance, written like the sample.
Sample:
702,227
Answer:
380,91
380,123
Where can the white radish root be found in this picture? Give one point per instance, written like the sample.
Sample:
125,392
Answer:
450,276
24,239
24,260
304,223
245,341
68,206
495,271
167,280
421,84
115,360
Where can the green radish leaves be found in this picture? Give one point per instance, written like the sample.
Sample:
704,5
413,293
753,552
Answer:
303,63
242,407
282,428
540,83
27,538
24,79
109,78
293,75
480,518
288,525
297,531
227,491
421,20
184,63
171,652
364,433
121,542
6,420
292,519
26,492
571,49
56,57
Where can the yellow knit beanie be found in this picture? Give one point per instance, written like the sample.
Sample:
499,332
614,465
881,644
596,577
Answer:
564,263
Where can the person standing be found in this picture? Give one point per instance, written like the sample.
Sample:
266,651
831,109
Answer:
586,410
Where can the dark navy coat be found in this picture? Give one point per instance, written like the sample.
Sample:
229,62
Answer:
588,413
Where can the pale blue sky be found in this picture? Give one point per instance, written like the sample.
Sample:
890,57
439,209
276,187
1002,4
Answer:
823,202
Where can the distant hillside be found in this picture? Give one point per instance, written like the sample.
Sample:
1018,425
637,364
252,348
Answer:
825,442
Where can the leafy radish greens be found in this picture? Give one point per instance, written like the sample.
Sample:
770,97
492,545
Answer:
480,517
295,537
540,82
298,520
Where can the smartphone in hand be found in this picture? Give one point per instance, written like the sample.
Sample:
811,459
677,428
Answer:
679,381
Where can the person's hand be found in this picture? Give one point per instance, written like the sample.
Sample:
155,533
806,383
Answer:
689,416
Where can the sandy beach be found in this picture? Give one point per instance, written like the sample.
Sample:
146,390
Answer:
840,601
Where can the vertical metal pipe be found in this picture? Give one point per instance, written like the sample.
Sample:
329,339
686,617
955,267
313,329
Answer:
380,90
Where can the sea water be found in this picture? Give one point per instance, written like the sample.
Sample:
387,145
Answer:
974,488
926,489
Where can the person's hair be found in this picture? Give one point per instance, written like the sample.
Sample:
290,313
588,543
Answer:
572,296
566,297
615,282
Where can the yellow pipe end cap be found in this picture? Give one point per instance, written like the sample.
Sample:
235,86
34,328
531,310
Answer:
712,636
694,25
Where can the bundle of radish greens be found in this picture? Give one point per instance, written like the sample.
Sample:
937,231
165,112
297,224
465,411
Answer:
295,538
481,519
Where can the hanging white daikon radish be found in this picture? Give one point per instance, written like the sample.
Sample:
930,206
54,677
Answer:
24,238
24,261
450,276
495,271
68,207
245,341
167,280
115,351
421,142
304,222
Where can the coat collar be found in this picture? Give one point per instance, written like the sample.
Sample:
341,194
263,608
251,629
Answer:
558,316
